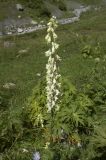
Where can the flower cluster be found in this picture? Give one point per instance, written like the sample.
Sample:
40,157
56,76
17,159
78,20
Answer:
52,76
36,156
40,119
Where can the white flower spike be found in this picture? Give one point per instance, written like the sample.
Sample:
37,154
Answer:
52,76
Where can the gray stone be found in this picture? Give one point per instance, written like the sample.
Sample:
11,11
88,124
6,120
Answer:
19,30
19,7
34,22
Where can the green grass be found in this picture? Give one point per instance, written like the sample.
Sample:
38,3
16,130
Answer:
8,9
22,70
96,2
36,9
3,9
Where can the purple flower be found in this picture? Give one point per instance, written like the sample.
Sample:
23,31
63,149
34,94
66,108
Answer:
36,156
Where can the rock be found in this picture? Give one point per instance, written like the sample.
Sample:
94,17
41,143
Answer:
41,22
34,22
19,7
19,30
39,26
81,10
9,33
81,6
19,16
9,86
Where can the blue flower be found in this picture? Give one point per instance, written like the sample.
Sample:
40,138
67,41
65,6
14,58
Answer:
36,156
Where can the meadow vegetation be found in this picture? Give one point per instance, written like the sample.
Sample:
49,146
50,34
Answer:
83,103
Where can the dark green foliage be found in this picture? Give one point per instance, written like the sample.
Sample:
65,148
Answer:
60,3
84,107
92,51
62,6
75,127
37,5
74,130
77,130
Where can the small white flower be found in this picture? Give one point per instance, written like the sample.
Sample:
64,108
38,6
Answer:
57,92
50,29
53,103
54,36
48,38
48,53
55,45
47,145
38,74
40,119
53,49
25,150
49,24
56,98
54,17
79,144
52,86
54,81
58,58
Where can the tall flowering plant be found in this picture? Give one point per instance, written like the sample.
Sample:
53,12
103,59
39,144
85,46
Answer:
52,73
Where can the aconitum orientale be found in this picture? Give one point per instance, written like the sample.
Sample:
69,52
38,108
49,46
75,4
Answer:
52,73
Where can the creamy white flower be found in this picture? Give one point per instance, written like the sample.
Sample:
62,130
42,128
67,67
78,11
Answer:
25,150
55,98
54,17
79,144
40,119
49,24
48,53
47,145
58,58
52,86
55,45
48,38
54,36
57,92
50,29
53,103
54,67
52,76
54,81
53,49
